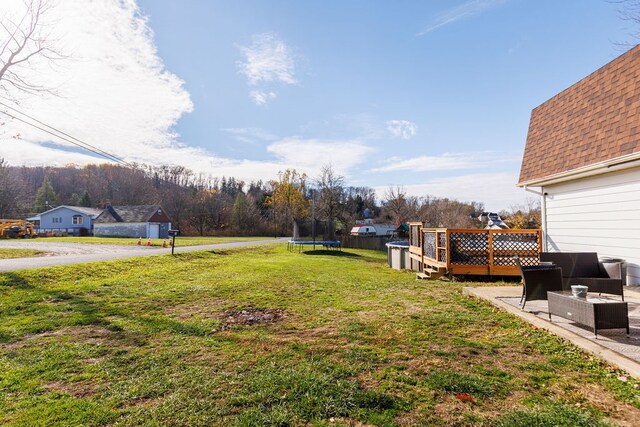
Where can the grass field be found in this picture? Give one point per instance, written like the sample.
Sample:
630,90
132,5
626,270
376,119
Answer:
18,253
180,241
263,336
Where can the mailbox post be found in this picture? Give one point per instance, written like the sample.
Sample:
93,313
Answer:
173,234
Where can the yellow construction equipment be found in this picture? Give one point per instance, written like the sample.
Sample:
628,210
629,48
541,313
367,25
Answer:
16,228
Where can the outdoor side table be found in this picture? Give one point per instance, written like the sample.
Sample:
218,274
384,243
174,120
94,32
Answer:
594,312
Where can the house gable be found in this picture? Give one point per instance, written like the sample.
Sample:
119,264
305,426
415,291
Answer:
133,214
593,121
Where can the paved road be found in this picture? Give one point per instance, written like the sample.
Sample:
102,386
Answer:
77,253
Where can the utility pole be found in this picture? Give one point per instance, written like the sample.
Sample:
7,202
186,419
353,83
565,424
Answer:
313,217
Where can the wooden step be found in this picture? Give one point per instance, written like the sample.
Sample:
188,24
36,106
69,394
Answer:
431,273
435,273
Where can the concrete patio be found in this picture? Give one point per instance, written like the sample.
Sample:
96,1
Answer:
612,345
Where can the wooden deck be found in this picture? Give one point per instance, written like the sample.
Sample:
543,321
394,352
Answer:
472,251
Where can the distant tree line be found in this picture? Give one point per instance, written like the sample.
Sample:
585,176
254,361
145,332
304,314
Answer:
204,205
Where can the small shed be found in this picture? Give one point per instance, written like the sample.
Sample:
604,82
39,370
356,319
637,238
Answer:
74,220
147,221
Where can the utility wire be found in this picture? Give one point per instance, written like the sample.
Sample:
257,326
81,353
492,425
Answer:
107,155
85,145
65,136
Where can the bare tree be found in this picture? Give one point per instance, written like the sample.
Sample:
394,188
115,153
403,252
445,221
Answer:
330,198
399,207
330,193
629,10
9,191
24,42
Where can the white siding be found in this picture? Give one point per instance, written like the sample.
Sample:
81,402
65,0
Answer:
597,214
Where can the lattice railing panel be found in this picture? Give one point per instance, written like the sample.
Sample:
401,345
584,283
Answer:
442,242
429,245
414,237
469,248
508,245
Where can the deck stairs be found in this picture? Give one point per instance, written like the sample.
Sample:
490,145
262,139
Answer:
430,272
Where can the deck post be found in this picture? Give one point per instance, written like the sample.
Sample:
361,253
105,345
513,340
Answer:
539,241
447,233
490,247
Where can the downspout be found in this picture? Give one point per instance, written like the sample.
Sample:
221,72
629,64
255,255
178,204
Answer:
543,214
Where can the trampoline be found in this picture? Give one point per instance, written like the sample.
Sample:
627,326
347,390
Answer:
326,244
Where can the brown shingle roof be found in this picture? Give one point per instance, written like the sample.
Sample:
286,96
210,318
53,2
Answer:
595,120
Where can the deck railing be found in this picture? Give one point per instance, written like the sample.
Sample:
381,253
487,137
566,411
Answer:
415,242
476,251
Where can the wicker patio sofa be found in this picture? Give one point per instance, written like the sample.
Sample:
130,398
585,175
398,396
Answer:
583,268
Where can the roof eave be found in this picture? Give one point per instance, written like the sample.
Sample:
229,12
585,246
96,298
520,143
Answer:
615,164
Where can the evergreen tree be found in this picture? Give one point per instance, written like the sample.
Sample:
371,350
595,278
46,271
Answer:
46,197
85,200
239,214
74,200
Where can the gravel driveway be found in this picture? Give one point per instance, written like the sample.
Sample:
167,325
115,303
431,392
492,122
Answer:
60,253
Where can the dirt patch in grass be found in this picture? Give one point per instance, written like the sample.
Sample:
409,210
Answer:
140,402
618,412
86,334
251,316
452,410
77,389
207,309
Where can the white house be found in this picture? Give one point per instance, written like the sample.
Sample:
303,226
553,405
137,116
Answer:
582,157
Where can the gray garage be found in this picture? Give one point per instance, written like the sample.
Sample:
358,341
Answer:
146,221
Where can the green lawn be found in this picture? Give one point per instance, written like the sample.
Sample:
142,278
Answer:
6,253
180,241
263,336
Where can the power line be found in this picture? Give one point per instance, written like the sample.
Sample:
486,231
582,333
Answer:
63,135
105,155
84,145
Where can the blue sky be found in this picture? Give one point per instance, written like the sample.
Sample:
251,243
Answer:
433,96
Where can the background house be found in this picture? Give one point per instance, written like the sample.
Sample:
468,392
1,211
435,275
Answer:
73,220
368,228
583,152
146,221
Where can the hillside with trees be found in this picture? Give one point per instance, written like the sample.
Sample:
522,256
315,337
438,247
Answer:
205,205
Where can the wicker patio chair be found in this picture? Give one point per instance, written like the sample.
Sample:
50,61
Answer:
537,280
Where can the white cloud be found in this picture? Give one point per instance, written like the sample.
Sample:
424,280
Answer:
449,161
311,154
114,90
465,10
250,135
496,190
268,59
402,128
260,97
